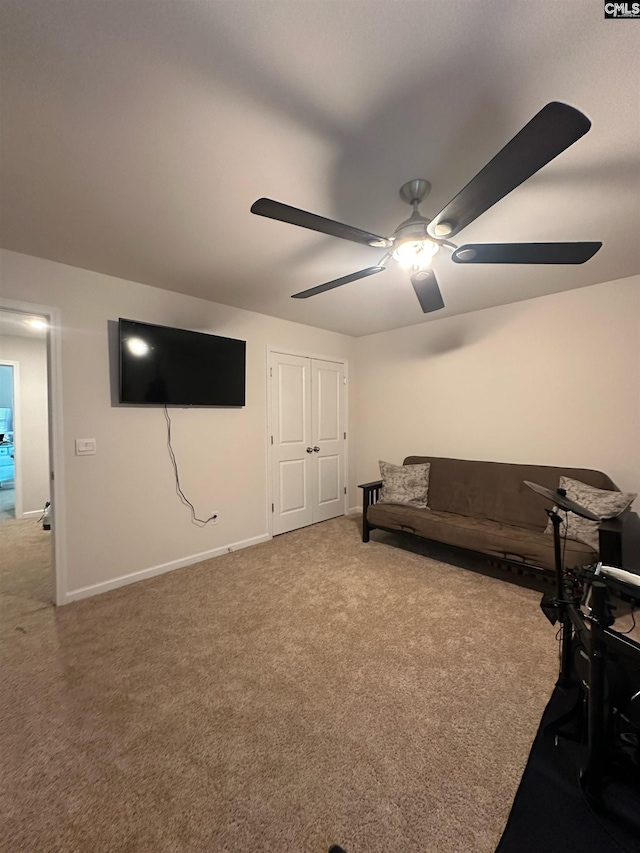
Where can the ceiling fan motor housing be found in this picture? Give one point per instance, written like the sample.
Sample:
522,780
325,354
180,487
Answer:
414,228
415,192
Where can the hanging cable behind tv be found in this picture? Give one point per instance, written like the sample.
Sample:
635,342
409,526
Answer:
185,500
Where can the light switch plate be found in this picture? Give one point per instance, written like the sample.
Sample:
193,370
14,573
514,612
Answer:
85,446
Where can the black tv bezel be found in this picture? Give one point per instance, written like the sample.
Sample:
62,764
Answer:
181,405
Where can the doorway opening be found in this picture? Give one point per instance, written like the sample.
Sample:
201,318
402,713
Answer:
28,577
8,382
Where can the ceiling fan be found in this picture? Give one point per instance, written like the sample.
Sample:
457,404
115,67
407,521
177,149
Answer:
416,240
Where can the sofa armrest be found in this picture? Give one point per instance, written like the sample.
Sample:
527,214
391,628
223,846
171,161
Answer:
375,484
370,495
611,536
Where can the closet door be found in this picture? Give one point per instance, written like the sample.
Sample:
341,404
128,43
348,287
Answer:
307,440
292,448
327,414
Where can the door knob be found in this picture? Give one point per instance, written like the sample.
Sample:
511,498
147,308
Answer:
309,449
316,449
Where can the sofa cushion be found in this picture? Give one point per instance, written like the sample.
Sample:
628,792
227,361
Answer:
496,490
605,503
492,538
405,484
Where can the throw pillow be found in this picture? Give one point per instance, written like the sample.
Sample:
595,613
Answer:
405,484
604,503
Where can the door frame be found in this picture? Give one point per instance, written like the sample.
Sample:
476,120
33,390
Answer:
271,348
56,442
17,436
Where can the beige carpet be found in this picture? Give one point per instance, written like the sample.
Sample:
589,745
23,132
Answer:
26,583
308,691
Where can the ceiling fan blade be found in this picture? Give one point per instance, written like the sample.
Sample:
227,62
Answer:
551,131
283,212
338,282
426,287
525,253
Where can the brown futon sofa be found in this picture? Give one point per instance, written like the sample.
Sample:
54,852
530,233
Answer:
486,507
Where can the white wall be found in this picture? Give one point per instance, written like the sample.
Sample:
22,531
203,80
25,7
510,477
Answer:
552,381
31,419
123,515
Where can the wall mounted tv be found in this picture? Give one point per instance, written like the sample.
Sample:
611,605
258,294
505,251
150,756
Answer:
175,367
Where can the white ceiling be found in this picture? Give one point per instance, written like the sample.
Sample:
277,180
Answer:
137,134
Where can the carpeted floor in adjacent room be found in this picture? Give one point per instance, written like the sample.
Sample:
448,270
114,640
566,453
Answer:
308,691
26,583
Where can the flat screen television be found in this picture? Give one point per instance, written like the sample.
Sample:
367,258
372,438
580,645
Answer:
175,367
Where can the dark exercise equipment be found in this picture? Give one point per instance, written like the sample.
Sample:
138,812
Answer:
558,607
604,662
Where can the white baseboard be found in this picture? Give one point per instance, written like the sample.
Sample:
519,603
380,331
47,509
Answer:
32,513
354,510
144,574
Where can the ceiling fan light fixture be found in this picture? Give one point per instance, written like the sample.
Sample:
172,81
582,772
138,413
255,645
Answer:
415,254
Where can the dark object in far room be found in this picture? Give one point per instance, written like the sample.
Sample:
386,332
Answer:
46,516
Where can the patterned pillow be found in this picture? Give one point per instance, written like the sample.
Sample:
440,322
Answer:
405,484
604,503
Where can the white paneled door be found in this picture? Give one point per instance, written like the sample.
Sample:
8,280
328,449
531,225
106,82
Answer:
307,440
